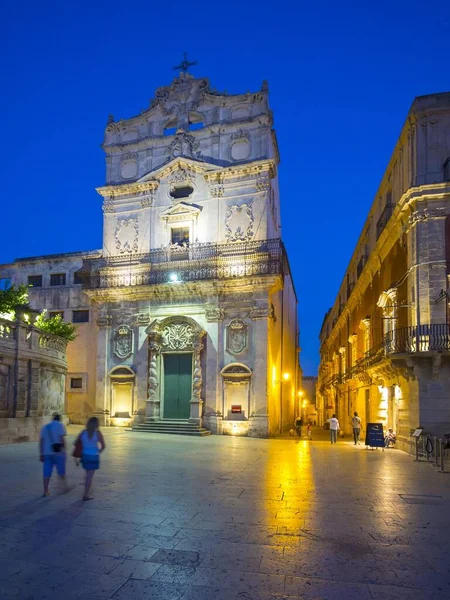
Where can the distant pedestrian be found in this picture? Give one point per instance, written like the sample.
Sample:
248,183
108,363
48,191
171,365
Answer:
92,445
356,424
52,451
309,431
298,426
334,428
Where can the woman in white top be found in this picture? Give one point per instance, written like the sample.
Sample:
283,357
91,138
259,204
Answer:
92,445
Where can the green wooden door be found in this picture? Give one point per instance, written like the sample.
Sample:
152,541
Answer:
177,385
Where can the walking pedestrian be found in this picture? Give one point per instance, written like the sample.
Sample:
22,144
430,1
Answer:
334,428
92,444
309,432
356,424
52,451
298,425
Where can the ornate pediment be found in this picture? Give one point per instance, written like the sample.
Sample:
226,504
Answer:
181,212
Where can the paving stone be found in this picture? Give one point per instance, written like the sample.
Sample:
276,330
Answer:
149,590
247,520
185,558
135,569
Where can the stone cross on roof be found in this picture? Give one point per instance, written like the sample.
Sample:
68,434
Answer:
185,64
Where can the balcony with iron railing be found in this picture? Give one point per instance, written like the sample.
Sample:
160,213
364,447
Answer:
413,340
193,262
384,218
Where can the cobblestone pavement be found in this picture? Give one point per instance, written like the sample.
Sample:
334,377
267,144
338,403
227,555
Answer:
225,518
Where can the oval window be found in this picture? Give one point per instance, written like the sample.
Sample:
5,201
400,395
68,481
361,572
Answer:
181,192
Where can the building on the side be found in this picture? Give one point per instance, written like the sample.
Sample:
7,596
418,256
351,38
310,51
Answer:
33,369
385,343
307,396
188,312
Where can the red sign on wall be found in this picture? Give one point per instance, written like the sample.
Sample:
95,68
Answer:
236,408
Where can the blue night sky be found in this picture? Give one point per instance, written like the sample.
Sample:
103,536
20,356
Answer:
342,76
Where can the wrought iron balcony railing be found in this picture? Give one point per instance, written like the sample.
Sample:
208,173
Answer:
408,340
384,218
193,262
404,340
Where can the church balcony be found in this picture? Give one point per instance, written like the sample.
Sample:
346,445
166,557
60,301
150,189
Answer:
186,263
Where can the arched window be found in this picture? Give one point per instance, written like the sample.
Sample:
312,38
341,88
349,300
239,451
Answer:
170,127
195,121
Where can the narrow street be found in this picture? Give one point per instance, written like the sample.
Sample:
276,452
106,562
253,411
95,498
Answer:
226,518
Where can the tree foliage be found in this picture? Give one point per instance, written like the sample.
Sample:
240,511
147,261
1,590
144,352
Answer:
56,325
17,296
13,297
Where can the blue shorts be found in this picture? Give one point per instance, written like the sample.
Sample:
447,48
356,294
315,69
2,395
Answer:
55,460
90,462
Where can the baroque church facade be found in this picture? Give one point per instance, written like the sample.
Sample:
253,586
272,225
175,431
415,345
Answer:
188,313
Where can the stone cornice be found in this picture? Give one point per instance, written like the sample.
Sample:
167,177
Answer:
400,222
127,188
210,172
198,290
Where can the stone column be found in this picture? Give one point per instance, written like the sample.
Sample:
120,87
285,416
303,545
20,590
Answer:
154,401
197,381
102,385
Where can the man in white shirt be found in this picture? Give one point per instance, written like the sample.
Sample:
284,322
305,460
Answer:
52,450
334,428
356,424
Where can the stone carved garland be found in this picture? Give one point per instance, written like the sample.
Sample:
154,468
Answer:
237,338
127,235
239,223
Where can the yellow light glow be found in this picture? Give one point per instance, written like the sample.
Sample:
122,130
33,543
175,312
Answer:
300,394
286,376
304,402
274,375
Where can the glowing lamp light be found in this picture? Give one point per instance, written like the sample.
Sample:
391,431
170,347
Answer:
304,402
173,277
300,394
286,376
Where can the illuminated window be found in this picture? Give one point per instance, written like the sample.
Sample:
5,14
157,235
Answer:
58,279
35,280
180,235
80,316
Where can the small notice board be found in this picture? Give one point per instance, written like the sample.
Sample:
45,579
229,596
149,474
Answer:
374,435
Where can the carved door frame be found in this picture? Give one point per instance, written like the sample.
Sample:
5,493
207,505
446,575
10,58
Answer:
172,335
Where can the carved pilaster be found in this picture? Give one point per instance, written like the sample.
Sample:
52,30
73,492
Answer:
197,381
154,347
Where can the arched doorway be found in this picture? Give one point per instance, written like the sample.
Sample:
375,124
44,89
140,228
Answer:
175,371
236,379
122,402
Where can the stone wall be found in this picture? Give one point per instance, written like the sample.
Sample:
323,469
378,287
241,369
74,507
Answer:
33,369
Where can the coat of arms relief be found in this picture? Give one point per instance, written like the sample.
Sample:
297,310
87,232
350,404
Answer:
237,336
178,336
123,341
239,223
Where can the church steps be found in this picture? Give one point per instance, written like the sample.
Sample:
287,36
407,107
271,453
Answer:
173,427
